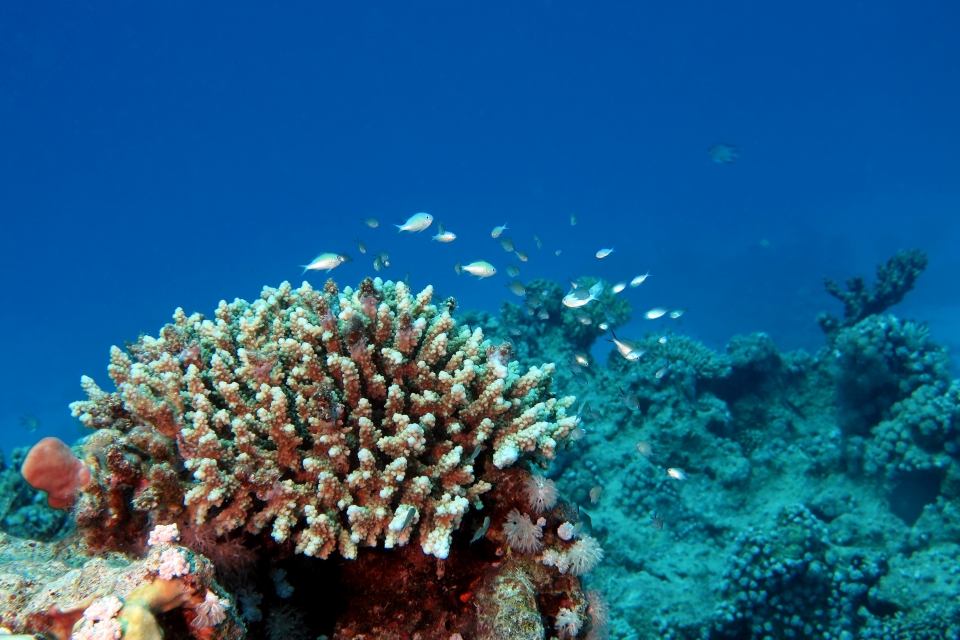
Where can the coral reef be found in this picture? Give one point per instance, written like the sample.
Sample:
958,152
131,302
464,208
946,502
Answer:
56,590
331,419
895,278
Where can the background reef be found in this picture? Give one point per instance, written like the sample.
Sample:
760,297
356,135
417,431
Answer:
820,497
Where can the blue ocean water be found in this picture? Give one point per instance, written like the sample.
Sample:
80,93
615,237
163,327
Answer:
175,155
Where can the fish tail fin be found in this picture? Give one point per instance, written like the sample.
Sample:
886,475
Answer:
399,228
305,268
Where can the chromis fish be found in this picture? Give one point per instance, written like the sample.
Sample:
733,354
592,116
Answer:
583,317
443,235
656,521
677,474
656,312
543,314
362,247
595,494
676,313
384,258
480,268
416,222
623,346
536,239
579,297
581,358
723,153
644,448
604,326
573,219
506,243
516,288
661,372
557,252
636,282
663,340
498,230
522,256
370,222
513,271
620,286
630,400
326,261
603,253
481,530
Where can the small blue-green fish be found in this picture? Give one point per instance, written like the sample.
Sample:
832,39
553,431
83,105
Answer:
30,422
581,358
620,286
661,372
362,247
371,222
595,494
513,271
543,314
522,256
506,243
630,400
583,317
603,253
656,312
604,326
476,452
481,530
480,268
412,511
656,522
536,239
573,219
498,230
677,474
645,448
514,331
636,282
579,297
326,261
724,153
416,222
377,264
625,347
676,313
443,235
663,340
516,288
557,252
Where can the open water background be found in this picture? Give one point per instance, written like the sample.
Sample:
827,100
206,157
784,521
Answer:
155,155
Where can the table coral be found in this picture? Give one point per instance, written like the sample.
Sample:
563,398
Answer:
332,419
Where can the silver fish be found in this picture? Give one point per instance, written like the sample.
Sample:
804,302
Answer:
513,271
481,530
417,222
498,230
636,282
360,246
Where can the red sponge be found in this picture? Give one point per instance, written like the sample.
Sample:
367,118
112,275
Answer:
52,467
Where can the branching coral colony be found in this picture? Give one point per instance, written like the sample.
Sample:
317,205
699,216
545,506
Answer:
331,419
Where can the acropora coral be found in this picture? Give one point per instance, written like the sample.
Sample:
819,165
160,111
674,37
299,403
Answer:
332,419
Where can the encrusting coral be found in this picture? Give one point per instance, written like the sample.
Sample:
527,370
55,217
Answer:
334,419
